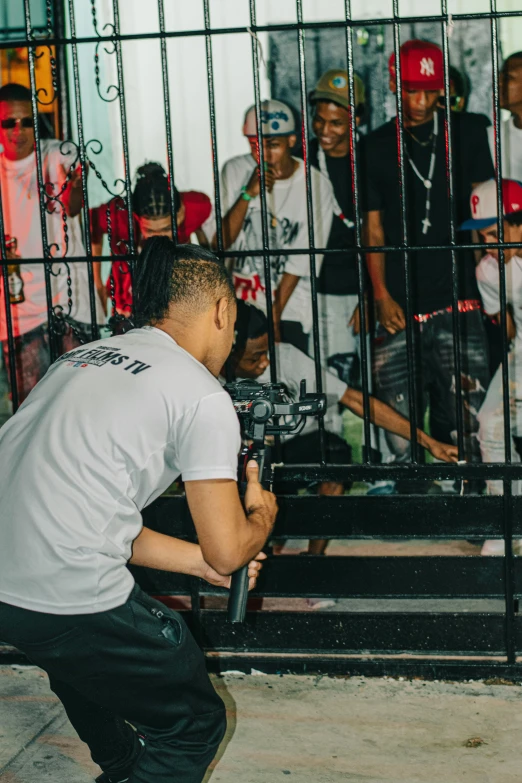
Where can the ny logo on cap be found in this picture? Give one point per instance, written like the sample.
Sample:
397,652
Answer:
427,67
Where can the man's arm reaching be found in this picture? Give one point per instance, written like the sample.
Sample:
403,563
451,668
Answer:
384,416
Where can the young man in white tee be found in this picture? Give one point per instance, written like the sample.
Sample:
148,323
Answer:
108,429
22,222
287,221
491,414
510,94
249,359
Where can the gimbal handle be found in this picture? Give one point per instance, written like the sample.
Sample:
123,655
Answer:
238,597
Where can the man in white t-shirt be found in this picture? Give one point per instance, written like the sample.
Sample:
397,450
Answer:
510,93
287,221
108,429
22,223
249,359
491,414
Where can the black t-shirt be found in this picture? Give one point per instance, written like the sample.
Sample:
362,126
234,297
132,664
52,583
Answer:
339,270
431,270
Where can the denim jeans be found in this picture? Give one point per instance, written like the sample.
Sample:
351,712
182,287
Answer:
137,664
435,375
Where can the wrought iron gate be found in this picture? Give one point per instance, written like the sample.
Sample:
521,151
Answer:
456,644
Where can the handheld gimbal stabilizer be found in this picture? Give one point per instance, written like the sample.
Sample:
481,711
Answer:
260,408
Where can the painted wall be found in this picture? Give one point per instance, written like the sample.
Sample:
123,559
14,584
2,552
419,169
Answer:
233,79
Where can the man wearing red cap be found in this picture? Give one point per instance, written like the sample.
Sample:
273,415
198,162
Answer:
491,416
428,215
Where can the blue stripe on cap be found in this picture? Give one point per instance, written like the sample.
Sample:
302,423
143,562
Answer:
470,224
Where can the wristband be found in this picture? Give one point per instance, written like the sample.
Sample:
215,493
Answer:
244,195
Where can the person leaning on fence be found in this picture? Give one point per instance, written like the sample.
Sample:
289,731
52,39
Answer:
491,415
428,222
118,421
151,210
337,283
22,223
287,221
249,359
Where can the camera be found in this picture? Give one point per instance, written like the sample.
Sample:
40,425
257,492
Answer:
261,406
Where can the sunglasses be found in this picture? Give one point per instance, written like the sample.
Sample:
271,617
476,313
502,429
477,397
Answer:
453,101
11,122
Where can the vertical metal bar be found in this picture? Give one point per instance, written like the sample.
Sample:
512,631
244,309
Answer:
62,73
124,133
262,195
213,135
509,566
41,189
454,262
168,124
85,196
8,315
410,346
357,220
310,215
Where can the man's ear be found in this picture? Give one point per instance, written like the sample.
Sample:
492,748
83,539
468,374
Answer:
222,313
292,140
393,84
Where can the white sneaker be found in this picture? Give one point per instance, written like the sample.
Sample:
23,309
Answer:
320,603
497,547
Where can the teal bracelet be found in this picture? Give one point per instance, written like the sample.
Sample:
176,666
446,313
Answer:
244,195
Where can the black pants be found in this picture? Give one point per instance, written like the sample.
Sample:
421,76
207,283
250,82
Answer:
137,663
292,332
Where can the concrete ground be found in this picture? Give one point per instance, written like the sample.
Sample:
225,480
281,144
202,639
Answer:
305,729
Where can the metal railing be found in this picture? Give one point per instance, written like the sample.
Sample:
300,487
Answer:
458,644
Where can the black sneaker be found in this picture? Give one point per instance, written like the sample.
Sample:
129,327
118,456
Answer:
103,778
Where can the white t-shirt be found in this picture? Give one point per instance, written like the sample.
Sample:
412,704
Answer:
511,147
489,287
105,432
292,367
287,228
21,211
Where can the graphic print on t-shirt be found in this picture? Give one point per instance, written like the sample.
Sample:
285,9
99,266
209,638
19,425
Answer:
283,233
101,356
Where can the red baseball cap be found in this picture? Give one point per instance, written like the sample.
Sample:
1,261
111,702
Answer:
483,203
422,66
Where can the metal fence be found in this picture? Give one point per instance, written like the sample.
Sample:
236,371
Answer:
445,643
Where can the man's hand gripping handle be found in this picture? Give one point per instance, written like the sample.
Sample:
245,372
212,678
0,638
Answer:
256,497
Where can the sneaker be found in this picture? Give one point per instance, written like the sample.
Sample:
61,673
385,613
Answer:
382,488
320,603
497,547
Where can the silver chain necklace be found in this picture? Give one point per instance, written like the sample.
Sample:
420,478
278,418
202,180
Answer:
428,182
